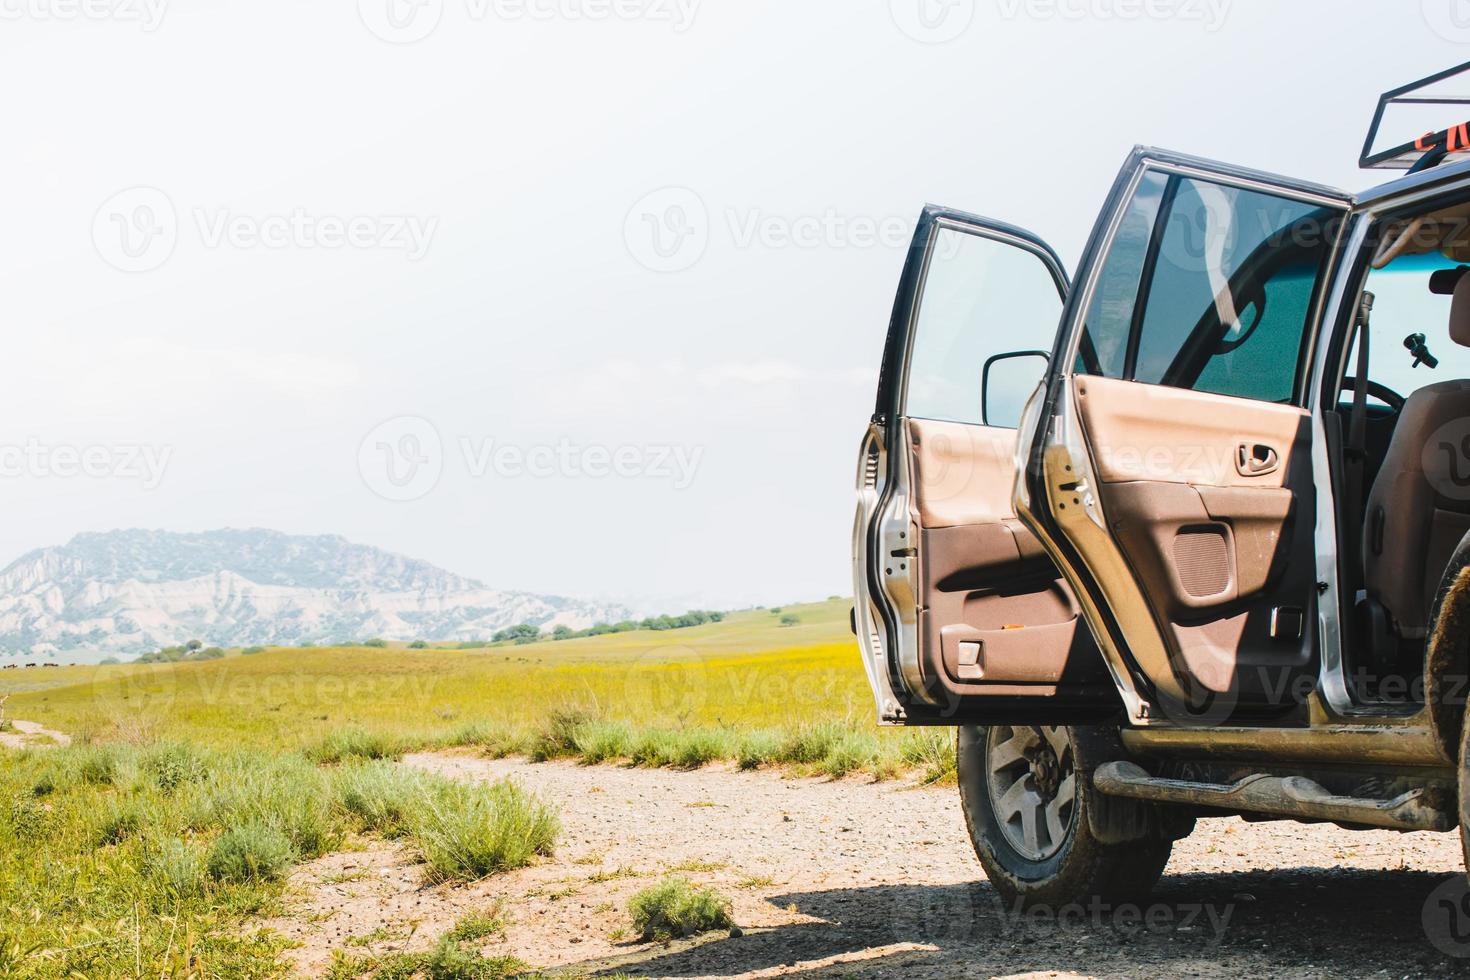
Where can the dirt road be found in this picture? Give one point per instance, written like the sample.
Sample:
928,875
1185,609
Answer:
855,879
29,734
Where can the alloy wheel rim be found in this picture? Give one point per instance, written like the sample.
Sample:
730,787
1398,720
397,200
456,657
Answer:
1033,786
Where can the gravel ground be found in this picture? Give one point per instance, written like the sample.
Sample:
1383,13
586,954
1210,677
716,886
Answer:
856,879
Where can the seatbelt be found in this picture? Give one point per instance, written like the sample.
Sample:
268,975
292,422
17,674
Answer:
1357,441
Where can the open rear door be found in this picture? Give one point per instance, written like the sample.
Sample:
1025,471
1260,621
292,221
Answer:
1171,470
960,613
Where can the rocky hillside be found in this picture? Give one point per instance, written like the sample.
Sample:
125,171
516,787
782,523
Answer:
122,593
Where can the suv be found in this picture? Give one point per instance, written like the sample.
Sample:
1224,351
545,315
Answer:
1201,549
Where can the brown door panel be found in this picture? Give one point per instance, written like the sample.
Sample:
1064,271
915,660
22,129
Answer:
1210,500
1142,432
995,618
1200,548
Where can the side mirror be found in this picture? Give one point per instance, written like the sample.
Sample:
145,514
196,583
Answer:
1003,392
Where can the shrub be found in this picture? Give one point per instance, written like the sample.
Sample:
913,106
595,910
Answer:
173,764
850,751
418,645
808,745
375,643
790,620
380,795
252,651
357,743
120,820
675,908
290,796
933,750
175,868
557,735
471,831
758,748
251,852
99,765
602,741
701,746
653,748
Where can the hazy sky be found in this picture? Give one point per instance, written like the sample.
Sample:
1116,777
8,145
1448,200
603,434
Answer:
577,298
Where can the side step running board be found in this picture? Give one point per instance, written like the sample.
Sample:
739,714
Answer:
1292,797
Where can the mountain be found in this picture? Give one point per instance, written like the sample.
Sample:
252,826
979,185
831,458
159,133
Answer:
123,593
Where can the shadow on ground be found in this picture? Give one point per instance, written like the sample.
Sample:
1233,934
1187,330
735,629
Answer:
1306,922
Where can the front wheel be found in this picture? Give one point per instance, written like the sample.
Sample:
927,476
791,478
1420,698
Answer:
1027,795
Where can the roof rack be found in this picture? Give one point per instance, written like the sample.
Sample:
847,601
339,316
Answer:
1421,99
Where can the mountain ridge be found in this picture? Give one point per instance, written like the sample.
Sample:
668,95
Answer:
125,592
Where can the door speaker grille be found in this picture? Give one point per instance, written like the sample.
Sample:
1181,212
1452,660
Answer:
1203,559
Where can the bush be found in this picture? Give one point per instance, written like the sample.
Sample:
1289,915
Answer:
289,796
700,746
470,831
174,764
357,743
375,643
380,795
790,620
120,820
850,751
251,852
175,868
418,645
601,741
252,651
756,749
674,908
557,736
933,750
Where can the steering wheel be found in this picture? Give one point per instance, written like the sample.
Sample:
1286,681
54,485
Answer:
1383,393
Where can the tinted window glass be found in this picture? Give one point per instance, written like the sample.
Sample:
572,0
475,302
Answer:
981,297
1222,300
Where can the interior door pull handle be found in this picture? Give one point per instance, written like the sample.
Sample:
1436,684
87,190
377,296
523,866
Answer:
1256,460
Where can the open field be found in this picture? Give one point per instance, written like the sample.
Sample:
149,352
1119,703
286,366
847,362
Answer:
381,813
746,672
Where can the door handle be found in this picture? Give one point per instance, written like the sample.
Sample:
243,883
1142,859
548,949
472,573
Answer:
1256,459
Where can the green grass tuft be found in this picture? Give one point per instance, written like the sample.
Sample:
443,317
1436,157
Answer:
467,832
251,852
675,908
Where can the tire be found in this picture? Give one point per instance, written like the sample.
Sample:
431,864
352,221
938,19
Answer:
1053,857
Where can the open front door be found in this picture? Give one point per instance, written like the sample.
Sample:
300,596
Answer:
1172,470
960,613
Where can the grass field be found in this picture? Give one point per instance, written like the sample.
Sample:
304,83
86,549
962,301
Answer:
191,789
743,672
